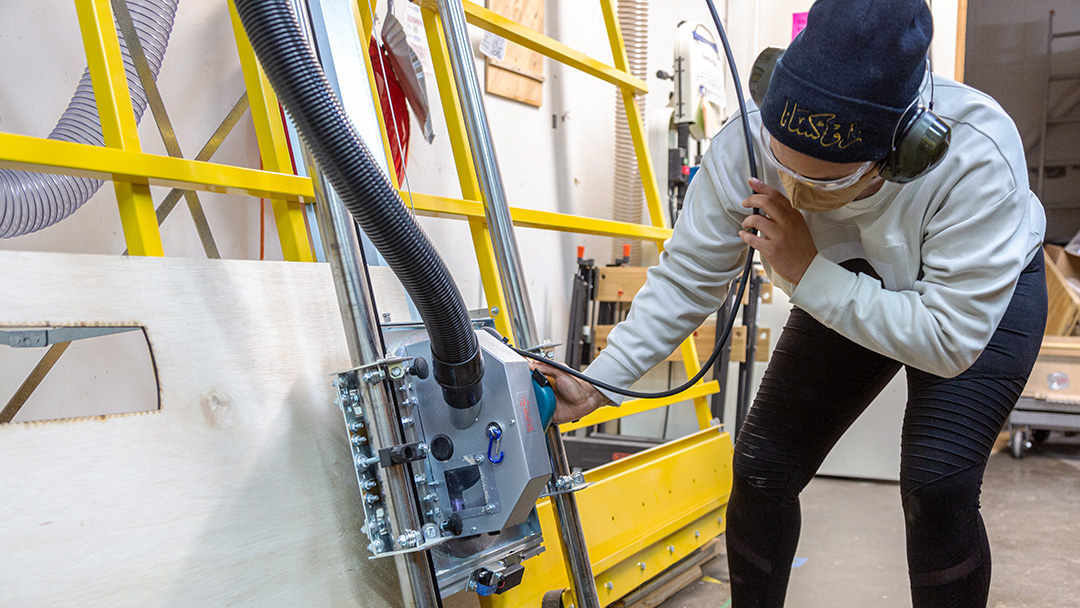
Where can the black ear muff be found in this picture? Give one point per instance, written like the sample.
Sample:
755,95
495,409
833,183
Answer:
919,146
761,72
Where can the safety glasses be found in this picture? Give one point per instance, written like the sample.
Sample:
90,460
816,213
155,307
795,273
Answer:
820,184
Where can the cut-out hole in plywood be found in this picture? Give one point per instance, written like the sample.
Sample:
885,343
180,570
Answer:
56,373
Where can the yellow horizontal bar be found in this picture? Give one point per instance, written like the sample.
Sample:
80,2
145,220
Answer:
606,414
627,575
440,206
664,495
549,47
24,153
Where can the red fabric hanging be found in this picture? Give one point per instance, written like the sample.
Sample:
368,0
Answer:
392,96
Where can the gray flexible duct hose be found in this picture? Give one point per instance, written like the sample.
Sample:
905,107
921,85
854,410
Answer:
32,201
629,196
298,79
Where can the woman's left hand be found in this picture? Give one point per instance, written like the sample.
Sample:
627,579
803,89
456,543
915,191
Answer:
783,238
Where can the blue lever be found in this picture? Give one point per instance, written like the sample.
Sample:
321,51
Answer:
545,398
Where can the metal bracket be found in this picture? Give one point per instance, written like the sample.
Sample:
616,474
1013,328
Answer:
38,338
401,454
567,484
547,348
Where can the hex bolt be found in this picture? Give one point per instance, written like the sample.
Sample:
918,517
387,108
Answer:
697,533
432,497
642,565
419,479
406,421
423,447
376,546
371,499
513,422
364,463
351,399
374,376
358,440
609,585
397,372
410,538
671,548
368,484
355,426
719,521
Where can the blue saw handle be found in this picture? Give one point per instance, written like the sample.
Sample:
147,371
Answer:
545,398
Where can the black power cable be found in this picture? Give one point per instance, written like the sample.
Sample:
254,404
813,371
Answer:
746,270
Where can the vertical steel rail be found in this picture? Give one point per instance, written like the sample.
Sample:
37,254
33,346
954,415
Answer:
723,362
342,246
519,309
1046,104
746,368
496,209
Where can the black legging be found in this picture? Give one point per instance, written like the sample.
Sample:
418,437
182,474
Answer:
817,384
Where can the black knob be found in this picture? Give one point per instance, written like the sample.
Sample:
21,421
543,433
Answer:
661,74
454,525
419,368
442,448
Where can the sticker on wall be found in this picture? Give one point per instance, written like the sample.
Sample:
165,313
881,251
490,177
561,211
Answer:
493,46
798,24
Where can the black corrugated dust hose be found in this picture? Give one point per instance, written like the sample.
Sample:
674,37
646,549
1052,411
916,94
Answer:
300,83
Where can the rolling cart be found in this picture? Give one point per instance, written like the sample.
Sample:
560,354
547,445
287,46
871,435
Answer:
1051,399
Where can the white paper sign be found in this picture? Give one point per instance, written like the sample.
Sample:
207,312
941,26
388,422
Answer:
493,46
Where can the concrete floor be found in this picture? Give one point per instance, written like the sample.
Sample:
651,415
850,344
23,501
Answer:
853,539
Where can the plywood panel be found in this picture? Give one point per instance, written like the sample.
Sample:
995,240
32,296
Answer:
1064,301
520,74
238,492
620,283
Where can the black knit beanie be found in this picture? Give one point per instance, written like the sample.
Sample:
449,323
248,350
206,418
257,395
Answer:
840,89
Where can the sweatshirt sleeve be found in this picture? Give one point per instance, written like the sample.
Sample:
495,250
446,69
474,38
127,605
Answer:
698,261
975,243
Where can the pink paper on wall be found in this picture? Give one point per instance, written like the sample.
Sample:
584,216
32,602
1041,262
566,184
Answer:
798,22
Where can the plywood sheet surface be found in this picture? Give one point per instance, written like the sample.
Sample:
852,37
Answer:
238,492
520,74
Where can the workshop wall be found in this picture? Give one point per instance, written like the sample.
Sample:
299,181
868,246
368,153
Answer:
1006,57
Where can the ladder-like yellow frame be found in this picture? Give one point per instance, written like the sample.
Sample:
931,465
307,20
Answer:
667,526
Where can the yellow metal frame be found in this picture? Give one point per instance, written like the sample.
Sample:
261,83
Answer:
629,86
671,500
682,502
118,122
681,486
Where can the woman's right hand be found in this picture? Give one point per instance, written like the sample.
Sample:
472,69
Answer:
574,398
